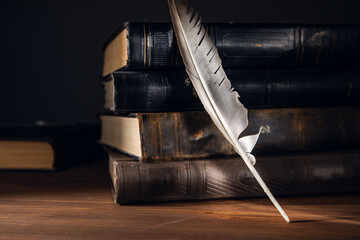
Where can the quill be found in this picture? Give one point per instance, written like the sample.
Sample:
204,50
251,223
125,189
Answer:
204,68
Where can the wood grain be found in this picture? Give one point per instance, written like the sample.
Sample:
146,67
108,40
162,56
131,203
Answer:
77,204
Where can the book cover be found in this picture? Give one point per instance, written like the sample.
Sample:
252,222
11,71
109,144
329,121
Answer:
172,91
151,45
181,135
285,175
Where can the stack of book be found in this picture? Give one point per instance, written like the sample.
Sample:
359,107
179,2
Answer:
300,82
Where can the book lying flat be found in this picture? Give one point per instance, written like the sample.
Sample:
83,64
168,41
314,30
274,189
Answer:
285,175
180,135
46,147
150,45
172,91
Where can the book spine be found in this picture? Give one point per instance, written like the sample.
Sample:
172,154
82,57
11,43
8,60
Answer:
153,45
171,136
164,91
314,173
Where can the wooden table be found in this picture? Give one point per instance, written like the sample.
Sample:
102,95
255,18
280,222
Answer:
76,204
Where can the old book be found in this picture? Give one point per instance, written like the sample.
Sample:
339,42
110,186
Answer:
46,147
164,91
152,45
181,135
285,175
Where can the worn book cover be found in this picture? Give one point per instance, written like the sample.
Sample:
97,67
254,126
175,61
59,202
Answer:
172,91
151,45
181,135
285,175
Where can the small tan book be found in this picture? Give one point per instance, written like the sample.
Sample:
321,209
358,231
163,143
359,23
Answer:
46,147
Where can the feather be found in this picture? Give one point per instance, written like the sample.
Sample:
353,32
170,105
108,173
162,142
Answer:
209,79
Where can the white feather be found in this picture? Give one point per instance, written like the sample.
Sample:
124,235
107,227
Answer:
205,70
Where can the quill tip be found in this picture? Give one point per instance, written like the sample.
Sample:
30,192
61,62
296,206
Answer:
283,214
276,204
278,207
286,218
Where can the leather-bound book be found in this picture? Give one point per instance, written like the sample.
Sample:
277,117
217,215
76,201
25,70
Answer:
149,45
285,175
187,135
172,91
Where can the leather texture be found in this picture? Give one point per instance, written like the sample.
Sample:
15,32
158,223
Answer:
187,135
153,45
285,175
162,91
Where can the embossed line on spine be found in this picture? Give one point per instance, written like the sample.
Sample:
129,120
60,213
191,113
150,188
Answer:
144,44
172,47
297,43
302,44
149,46
320,46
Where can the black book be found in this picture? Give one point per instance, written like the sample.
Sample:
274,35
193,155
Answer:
172,91
285,175
153,45
47,147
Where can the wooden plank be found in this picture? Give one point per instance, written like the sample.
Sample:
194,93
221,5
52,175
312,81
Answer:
77,204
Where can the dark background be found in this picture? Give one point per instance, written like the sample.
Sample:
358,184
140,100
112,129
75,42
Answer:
51,51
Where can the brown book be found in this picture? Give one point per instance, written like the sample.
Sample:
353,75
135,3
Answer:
285,175
181,135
